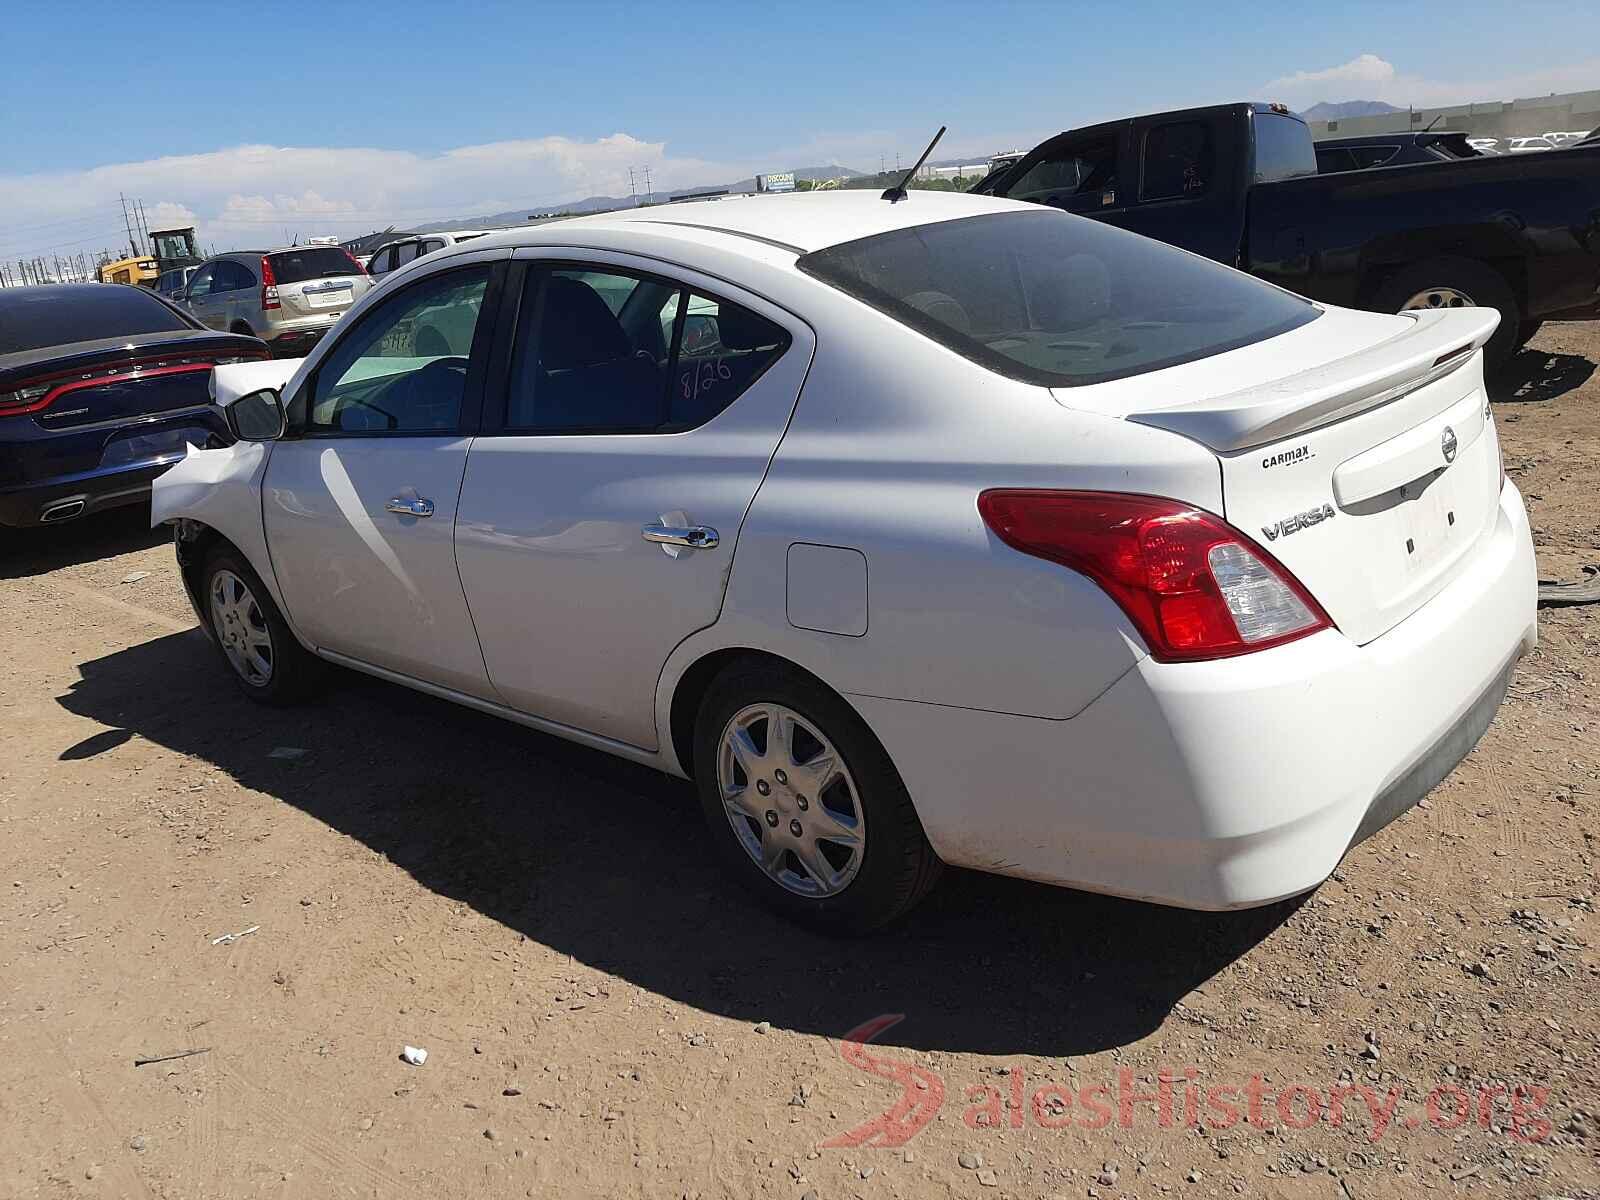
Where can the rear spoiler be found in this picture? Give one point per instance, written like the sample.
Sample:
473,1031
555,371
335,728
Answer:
1437,343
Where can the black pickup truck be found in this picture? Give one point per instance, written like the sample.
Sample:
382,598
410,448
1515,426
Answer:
1239,183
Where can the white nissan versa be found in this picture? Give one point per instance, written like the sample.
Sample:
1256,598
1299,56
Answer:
939,530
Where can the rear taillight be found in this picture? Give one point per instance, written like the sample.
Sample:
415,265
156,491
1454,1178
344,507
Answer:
1193,586
37,394
30,397
269,286
356,263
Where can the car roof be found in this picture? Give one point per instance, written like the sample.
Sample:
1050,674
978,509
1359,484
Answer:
799,222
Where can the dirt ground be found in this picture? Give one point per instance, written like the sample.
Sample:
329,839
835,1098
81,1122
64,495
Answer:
605,1016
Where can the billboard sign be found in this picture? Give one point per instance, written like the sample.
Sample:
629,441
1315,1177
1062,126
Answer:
781,181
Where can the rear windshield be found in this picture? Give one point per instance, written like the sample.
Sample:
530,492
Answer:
312,262
1054,299
1284,149
33,318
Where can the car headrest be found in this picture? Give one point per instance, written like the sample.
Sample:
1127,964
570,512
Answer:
430,343
579,329
942,308
740,329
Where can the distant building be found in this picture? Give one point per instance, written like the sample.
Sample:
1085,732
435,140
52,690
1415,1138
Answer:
1492,118
971,171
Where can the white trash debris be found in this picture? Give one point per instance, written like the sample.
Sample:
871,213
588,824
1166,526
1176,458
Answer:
414,1055
135,576
227,938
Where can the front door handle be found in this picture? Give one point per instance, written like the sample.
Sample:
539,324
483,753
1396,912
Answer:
696,537
409,507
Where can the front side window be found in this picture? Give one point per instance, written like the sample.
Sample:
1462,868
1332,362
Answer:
381,261
1057,300
1083,169
200,285
404,253
403,369
429,246
603,351
1178,161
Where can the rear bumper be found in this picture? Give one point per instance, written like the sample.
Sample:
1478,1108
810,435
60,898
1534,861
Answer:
70,496
1233,783
296,343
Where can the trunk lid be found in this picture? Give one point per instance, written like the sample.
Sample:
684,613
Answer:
1373,473
119,380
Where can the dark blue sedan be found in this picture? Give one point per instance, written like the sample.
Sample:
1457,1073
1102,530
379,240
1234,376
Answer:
101,387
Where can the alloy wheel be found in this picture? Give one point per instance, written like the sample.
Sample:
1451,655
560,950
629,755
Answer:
1440,297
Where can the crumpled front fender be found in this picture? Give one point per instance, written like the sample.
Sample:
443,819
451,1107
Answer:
221,490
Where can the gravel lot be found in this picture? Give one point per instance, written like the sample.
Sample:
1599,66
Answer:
604,1016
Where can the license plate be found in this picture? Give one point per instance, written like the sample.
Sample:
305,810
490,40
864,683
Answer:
327,299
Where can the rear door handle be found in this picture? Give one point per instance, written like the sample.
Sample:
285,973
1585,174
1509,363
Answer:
410,508
696,537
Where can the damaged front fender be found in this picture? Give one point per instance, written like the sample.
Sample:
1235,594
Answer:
217,492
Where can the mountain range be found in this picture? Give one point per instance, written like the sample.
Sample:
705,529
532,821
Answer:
517,216
1345,109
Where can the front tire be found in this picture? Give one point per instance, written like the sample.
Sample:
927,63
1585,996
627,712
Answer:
265,659
1457,283
803,804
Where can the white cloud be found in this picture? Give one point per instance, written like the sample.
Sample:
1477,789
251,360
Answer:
1364,70
254,195
1370,77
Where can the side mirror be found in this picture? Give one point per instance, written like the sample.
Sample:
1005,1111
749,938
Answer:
257,416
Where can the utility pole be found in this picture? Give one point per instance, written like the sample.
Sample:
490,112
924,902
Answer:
649,192
632,190
144,225
127,225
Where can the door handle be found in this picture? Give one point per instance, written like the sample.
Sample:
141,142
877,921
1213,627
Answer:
410,508
696,537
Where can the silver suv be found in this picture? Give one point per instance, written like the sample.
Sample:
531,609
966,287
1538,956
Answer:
288,298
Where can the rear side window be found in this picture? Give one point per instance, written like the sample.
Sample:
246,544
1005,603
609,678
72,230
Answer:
312,262
1057,300
37,317
1284,149
601,351
1178,161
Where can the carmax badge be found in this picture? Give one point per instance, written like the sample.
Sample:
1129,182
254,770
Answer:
1299,521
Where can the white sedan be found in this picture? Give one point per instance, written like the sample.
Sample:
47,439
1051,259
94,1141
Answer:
945,530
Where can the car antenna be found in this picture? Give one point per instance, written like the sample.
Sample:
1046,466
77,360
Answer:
898,191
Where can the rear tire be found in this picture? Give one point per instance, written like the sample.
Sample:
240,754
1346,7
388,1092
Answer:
1525,332
1456,283
263,656
766,837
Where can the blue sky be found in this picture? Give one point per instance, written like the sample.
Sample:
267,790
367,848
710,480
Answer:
241,114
